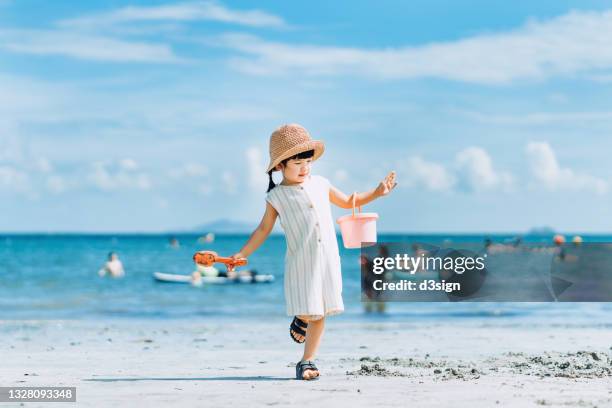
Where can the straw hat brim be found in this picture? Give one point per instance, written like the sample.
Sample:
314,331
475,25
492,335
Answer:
316,145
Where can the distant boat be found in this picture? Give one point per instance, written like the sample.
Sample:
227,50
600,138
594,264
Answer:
207,239
541,232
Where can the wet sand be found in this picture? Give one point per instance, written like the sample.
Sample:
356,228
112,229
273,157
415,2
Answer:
471,363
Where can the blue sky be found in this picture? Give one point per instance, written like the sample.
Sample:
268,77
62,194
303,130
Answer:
154,116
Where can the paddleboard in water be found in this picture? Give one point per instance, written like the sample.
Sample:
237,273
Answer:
215,280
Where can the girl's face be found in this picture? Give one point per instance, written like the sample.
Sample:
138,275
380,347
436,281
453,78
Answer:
296,170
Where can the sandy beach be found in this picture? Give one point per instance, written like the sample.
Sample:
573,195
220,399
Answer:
378,362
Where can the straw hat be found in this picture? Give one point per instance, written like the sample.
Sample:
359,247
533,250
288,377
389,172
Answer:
289,140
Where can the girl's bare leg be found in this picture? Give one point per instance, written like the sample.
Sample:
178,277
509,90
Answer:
314,333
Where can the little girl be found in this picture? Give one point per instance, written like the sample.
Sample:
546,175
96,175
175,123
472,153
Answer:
313,280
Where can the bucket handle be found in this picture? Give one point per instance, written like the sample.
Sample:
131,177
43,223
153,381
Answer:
354,195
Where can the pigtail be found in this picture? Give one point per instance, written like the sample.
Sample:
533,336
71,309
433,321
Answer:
271,184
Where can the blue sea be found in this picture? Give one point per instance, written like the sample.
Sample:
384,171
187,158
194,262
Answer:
56,277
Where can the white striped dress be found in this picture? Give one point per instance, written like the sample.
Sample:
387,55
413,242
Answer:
313,278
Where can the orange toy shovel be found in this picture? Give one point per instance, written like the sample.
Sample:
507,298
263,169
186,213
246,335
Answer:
208,258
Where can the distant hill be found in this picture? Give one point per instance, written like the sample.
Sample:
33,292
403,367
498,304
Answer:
541,232
226,226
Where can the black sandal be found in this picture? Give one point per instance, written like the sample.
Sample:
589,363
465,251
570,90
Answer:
303,366
298,326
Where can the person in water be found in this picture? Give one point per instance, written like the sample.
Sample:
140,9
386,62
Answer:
113,266
313,279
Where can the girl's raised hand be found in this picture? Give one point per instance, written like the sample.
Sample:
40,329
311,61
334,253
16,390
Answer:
237,256
387,184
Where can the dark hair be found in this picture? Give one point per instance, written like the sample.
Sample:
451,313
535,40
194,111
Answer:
304,155
110,254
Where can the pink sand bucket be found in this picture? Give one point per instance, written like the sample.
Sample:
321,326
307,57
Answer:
357,228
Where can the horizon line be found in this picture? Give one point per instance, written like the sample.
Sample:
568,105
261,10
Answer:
226,233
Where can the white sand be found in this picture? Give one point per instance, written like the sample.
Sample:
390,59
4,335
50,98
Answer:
195,363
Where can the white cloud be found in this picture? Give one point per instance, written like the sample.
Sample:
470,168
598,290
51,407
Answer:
193,176
204,189
230,184
88,37
84,46
42,170
161,202
471,171
547,172
417,172
24,173
256,167
11,146
56,184
114,176
188,11
189,170
574,43
340,176
128,164
476,173
43,165
13,179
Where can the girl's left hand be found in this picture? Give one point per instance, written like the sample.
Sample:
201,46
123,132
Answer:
387,184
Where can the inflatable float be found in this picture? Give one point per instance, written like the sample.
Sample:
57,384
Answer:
214,280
